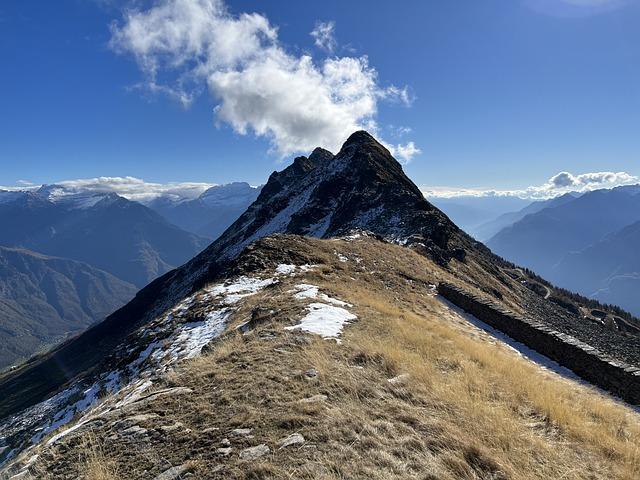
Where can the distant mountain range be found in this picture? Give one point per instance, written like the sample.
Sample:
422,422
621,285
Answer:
107,231
475,214
609,270
488,229
588,244
212,212
45,299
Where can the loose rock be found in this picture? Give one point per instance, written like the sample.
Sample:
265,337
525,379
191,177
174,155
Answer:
173,473
292,440
253,453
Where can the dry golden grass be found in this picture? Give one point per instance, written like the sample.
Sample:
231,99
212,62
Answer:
470,408
96,465
499,401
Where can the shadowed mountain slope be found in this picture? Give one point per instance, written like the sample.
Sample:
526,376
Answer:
608,270
45,299
540,240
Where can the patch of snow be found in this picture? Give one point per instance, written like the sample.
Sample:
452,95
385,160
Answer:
365,219
146,353
285,269
241,288
400,241
112,382
324,320
341,257
320,228
64,433
71,198
306,291
236,194
136,392
193,336
89,398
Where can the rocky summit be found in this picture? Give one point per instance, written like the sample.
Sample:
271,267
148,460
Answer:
310,341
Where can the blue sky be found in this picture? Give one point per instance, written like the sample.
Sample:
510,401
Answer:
498,94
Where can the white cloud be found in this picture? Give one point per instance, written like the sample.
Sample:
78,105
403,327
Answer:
261,87
559,184
131,188
324,36
404,153
565,180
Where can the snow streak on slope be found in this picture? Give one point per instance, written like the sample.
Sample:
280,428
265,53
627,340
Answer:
180,333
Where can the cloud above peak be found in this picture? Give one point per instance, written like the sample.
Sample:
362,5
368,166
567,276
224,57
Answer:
261,88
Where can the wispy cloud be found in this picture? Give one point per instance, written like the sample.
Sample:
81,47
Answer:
559,184
575,8
259,85
324,36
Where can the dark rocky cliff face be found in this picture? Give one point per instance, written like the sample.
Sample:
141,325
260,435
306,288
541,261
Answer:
362,187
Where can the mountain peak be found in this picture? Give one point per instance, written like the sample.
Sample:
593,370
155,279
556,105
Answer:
362,187
320,155
361,137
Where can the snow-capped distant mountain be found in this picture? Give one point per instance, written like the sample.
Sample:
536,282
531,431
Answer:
10,195
107,231
212,212
74,199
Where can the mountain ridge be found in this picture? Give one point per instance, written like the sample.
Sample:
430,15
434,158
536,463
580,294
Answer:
277,209
336,198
